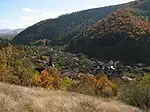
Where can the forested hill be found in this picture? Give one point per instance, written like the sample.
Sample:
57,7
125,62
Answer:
142,7
120,36
66,26
53,29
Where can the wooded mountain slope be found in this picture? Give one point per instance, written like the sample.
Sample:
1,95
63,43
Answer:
66,26
120,36
120,32
142,8
53,29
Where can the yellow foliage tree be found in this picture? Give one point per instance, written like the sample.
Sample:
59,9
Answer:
106,87
6,56
101,85
49,78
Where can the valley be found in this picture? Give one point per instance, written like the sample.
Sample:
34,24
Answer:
95,58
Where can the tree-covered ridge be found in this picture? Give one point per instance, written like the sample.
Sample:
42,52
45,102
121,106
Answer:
120,36
53,29
142,7
121,21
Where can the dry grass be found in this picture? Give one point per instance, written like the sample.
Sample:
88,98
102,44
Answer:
21,99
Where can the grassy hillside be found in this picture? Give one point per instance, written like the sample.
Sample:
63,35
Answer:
21,99
122,35
53,29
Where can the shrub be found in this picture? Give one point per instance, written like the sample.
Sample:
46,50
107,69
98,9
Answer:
24,73
46,80
51,79
36,79
145,80
106,87
10,78
89,84
66,83
14,70
137,94
86,84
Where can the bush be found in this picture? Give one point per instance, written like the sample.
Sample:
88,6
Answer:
137,94
14,70
24,73
46,80
66,83
51,79
10,78
89,84
106,87
145,80
86,84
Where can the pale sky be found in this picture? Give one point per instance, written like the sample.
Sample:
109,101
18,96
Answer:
23,13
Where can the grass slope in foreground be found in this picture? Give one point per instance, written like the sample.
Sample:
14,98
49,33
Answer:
20,99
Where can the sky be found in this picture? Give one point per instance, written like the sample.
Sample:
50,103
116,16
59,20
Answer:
24,13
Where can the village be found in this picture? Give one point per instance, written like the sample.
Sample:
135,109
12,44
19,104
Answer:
73,64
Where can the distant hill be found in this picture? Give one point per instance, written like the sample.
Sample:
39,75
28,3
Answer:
54,29
4,31
120,36
9,33
142,7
